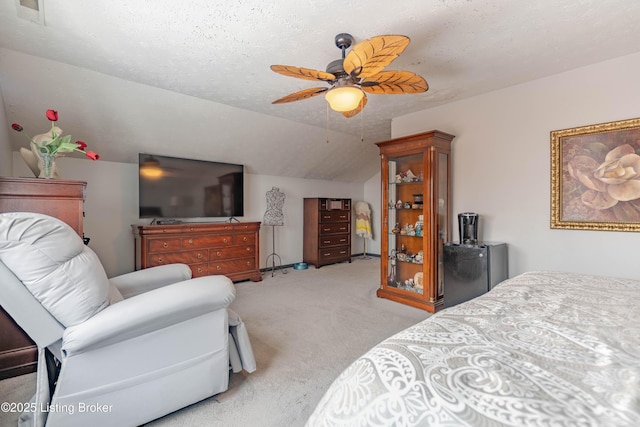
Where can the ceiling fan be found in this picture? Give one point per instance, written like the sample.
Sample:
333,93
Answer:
357,72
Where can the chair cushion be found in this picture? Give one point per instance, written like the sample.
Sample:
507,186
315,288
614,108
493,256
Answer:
51,260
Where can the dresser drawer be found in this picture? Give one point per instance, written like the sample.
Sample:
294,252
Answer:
164,245
334,216
186,257
244,239
232,266
333,228
334,240
206,241
232,252
329,253
199,270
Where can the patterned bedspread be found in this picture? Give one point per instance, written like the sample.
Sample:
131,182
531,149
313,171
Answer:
541,349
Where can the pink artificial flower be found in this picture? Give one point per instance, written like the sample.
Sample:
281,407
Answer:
81,145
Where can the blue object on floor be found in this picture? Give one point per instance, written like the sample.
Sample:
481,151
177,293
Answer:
300,266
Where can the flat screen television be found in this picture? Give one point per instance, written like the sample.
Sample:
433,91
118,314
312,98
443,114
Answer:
176,188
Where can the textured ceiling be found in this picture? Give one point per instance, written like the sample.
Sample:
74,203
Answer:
221,51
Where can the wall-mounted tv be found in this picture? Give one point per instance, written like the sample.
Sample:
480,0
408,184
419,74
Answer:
172,187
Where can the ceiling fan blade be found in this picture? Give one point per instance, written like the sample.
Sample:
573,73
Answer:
370,56
303,73
303,94
349,114
395,83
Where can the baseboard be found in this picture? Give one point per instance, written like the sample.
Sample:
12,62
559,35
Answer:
282,267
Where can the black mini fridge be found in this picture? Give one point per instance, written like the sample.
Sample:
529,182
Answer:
472,270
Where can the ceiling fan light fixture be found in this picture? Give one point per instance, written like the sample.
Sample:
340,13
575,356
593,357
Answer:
150,169
344,98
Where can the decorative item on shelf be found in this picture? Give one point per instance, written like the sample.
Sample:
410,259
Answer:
419,225
46,147
391,280
399,204
396,229
418,280
408,176
409,230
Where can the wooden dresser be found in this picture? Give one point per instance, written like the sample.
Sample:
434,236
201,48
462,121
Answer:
59,198
327,231
230,249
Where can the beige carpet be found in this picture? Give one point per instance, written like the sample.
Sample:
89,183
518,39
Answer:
305,326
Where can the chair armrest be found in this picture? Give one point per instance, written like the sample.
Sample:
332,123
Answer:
148,312
141,281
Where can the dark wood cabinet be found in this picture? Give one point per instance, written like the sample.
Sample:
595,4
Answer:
62,199
327,231
415,218
230,249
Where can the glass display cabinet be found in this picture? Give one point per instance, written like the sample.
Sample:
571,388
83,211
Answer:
415,218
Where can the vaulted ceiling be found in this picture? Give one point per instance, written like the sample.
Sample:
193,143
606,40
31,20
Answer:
192,78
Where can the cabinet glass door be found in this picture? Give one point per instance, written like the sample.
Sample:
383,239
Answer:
406,223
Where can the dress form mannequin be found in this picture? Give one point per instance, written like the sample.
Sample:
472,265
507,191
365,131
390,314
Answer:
275,202
274,216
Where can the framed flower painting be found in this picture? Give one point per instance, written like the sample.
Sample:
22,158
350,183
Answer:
595,177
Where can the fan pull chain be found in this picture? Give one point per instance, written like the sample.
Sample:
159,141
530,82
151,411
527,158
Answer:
362,120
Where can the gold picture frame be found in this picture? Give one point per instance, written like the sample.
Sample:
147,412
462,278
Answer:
595,177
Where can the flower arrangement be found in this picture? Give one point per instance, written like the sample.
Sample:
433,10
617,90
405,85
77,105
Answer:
52,144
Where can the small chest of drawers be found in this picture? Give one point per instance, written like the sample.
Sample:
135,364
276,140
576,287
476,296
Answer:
229,249
327,231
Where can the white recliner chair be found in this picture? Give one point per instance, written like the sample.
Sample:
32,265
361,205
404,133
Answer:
120,351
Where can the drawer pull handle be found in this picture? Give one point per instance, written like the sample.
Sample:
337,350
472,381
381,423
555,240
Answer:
343,240
199,270
327,217
343,252
218,268
248,249
327,254
249,263
327,241
245,238
165,245
219,253
199,255
224,240
160,261
326,229
191,241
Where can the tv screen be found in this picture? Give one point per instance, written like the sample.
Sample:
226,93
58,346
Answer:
171,187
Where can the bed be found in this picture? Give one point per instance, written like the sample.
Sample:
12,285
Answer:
540,349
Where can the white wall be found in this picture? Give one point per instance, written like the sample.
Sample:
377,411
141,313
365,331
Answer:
5,145
373,196
111,207
501,164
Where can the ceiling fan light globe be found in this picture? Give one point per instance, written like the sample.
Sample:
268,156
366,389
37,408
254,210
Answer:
345,98
151,171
